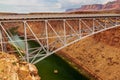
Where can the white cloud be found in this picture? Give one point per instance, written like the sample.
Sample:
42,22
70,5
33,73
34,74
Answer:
75,1
29,6
44,5
20,2
58,5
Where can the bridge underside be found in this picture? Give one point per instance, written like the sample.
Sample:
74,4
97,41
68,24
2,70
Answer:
34,40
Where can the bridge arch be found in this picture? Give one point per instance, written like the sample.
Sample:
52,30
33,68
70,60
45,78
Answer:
52,33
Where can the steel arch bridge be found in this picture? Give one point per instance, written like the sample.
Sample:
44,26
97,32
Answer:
52,32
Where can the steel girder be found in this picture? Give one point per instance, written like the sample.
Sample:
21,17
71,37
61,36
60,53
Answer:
50,35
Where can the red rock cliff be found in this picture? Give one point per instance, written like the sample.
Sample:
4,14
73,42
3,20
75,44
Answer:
114,5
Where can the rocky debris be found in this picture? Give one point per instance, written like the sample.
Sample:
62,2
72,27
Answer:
12,69
56,71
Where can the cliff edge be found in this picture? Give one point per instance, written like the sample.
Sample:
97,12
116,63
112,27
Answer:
13,69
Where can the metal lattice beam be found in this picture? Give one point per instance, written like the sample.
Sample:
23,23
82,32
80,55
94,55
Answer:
52,39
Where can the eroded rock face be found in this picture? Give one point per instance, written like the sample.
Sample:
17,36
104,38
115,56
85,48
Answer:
112,5
92,7
96,57
110,37
12,69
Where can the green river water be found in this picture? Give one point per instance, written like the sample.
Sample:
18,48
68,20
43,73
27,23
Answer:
65,71
47,66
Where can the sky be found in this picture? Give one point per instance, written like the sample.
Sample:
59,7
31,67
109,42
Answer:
27,6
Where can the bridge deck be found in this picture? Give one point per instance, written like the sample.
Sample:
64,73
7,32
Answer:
54,16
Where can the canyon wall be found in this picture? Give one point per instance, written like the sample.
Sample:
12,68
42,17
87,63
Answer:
114,5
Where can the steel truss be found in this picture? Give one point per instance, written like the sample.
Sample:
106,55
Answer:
51,35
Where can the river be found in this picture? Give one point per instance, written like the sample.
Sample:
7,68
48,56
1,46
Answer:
54,67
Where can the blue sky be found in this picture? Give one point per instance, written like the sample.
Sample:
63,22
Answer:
26,6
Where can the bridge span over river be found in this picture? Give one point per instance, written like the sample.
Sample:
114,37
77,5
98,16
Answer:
51,32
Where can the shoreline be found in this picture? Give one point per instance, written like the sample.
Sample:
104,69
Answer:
78,66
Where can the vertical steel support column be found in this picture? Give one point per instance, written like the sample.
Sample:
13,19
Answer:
46,31
26,43
116,23
4,41
80,28
1,40
93,25
65,39
105,23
